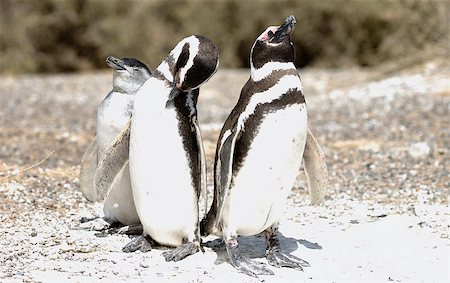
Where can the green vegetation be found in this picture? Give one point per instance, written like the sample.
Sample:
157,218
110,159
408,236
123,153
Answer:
64,35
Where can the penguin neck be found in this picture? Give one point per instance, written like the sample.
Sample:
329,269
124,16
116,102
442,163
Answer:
151,98
125,84
258,74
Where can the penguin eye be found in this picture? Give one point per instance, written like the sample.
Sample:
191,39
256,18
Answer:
270,33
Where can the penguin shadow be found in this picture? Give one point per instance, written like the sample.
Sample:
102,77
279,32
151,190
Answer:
255,246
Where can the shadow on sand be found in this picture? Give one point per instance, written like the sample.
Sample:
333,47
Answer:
254,246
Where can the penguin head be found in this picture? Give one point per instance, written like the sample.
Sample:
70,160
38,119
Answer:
130,74
274,44
191,63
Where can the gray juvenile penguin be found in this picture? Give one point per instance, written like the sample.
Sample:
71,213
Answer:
166,158
113,114
259,153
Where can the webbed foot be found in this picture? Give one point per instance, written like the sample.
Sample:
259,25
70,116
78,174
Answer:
279,259
139,243
245,265
182,251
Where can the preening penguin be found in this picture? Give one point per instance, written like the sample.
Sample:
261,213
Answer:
113,114
259,153
166,159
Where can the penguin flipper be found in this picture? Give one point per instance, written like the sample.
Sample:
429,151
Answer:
87,171
315,169
224,170
114,159
202,158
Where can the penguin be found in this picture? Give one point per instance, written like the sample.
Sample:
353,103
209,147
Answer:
164,147
113,114
259,153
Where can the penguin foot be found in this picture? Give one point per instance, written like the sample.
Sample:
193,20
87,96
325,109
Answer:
181,252
278,259
140,243
245,265
251,268
133,229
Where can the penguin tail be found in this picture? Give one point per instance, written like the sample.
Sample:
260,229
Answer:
203,228
315,169
208,224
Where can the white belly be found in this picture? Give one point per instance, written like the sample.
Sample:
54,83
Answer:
163,192
111,118
257,199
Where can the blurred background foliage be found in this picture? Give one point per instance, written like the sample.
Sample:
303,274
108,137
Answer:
77,35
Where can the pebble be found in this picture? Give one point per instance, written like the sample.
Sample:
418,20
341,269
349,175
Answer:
419,150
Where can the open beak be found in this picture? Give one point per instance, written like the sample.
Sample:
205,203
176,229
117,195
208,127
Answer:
115,63
283,31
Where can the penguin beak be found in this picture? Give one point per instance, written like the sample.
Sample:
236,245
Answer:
115,63
283,31
180,85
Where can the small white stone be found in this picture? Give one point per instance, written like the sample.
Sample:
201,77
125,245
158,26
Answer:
419,150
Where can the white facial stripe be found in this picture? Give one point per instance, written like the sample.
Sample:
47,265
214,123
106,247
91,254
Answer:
165,70
285,84
194,44
265,35
268,68
164,67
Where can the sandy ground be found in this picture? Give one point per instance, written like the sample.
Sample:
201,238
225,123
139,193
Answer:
385,218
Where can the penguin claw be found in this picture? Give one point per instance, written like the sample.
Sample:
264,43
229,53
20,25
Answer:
279,259
138,243
181,252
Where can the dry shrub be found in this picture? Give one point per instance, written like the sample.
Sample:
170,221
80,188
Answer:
63,36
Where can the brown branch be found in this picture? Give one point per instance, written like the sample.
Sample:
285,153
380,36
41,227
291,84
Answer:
28,168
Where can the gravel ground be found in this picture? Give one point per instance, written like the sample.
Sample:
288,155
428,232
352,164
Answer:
385,217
